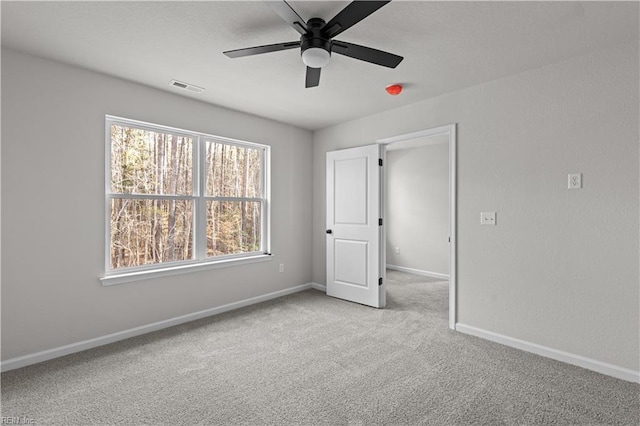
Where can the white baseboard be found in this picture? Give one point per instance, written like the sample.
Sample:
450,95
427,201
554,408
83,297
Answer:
580,361
419,272
23,361
320,287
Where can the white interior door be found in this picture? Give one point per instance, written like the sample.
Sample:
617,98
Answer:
354,226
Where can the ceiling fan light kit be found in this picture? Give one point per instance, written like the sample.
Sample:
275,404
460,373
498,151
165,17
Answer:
316,42
316,57
316,49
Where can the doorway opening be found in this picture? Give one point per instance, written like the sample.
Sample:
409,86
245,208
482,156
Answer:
439,141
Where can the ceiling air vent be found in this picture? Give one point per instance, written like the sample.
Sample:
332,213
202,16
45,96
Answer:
186,86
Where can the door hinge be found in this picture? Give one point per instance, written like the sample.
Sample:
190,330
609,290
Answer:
380,281
380,162
380,222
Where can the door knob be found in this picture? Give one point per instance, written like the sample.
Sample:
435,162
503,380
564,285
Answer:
329,231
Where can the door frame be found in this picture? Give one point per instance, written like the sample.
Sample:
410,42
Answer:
450,131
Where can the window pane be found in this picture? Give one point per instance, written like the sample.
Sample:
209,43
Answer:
233,171
233,227
147,162
147,232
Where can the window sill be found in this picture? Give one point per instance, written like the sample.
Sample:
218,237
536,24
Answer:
181,269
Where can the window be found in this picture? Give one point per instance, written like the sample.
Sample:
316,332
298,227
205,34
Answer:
177,198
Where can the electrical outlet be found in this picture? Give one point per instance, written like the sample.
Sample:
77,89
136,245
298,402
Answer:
575,180
397,250
281,269
487,218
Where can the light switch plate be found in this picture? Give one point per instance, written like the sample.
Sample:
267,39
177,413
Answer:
487,218
575,180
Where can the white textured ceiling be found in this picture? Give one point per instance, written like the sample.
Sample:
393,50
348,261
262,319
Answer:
446,45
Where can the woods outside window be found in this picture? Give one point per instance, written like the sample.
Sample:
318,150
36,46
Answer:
175,197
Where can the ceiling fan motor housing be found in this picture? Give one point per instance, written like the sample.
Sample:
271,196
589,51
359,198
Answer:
314,39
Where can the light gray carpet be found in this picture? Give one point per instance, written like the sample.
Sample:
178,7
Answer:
309,359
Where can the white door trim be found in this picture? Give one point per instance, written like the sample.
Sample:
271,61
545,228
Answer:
450,131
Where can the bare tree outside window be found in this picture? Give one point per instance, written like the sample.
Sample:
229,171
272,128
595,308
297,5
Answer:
233,177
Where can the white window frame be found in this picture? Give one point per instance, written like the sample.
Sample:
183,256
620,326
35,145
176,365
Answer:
200,260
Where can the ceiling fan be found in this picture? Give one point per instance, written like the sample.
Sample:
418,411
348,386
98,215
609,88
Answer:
317,43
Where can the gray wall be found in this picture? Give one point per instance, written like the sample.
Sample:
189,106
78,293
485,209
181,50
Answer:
53,207
560,269
417,208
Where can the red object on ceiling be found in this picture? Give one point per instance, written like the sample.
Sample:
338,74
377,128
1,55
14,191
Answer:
394,89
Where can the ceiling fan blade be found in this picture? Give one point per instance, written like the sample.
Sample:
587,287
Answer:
313,77
257,50
290,16
355,12
368,54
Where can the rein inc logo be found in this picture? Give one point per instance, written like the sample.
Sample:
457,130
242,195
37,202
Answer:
15,420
